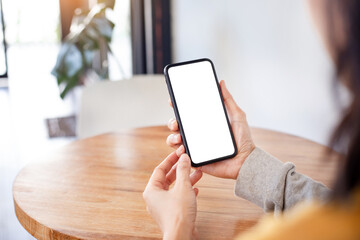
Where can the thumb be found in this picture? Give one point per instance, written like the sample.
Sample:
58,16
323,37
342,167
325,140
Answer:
233,109
183,170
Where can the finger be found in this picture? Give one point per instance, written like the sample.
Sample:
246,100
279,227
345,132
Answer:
173,139
195,233
233,109
170,103
215,169
183,171
159,174
171,176
169,161
195,177
196,190
173,125
180,150
176,146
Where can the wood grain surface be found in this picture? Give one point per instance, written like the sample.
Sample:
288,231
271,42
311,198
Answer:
92,188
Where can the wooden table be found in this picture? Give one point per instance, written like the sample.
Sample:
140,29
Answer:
92,188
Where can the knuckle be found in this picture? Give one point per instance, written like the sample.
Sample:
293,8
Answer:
227,98
240,114
243,114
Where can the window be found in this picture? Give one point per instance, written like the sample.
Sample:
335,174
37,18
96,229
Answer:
3,58
35,21
121,63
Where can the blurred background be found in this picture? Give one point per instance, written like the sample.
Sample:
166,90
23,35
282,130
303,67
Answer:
71,69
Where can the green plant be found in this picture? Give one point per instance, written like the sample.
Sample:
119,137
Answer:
85,48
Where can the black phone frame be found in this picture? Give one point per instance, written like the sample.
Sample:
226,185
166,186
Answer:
177,115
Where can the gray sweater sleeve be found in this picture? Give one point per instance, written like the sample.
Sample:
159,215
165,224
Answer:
274,185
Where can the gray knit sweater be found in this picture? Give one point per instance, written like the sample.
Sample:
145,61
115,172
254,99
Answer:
274,185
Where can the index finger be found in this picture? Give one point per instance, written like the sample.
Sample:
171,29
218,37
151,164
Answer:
159,174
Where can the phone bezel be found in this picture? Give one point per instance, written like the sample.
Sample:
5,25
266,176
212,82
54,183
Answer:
178,118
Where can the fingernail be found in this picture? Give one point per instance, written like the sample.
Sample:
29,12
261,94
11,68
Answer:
184,158
180,150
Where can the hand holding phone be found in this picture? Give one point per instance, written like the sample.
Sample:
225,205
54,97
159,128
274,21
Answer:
198,106
228,168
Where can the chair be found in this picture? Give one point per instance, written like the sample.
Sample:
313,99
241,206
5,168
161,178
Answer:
109,106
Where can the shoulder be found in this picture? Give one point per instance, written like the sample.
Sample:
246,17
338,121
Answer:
311,220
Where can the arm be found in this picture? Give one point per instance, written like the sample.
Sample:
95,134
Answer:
260,178
274,185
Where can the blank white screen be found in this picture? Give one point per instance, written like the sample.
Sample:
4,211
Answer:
201,112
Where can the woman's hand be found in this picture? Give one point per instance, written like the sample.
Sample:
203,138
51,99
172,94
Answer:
174,209
245,145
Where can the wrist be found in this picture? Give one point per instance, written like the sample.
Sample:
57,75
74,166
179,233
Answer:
179,230
241,157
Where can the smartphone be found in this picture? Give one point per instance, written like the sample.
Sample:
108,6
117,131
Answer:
200,111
